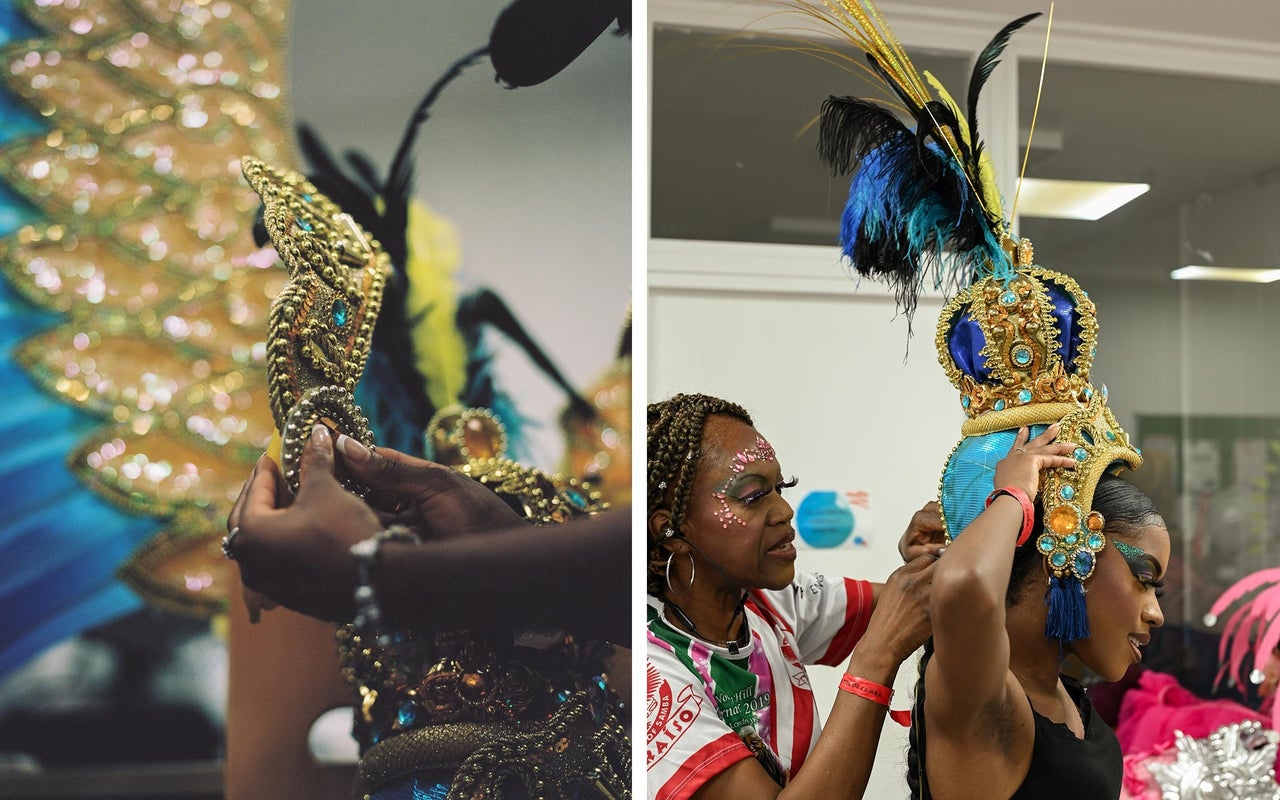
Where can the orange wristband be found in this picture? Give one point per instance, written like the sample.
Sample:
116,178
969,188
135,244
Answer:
876,693
1028,510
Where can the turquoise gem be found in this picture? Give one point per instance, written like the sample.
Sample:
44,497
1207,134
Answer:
306,196
1111,437
1088,392
1095,541
999,405
1008,298
1022,356
1024,396
1058,559
1071,539
340,312
302,223
575,498
561,696
1067,492
1045,543
1081,454
1138,450
406,714
1083,564
965,401
1093,351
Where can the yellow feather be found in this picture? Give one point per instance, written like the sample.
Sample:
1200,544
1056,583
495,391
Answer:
441,354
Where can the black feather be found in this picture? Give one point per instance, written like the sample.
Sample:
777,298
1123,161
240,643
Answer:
484,306
982,69
908,102
849,128
364,169
398,189
329,178
936,120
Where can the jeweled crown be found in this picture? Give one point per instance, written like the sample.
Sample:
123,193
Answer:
1032,339
1019,351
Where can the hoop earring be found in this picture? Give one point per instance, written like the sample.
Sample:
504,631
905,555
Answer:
693,573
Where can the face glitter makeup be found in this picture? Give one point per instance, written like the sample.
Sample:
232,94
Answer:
762,451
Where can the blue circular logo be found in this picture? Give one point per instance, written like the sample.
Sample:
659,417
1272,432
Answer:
824,519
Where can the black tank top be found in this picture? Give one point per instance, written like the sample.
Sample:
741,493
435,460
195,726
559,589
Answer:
1064,767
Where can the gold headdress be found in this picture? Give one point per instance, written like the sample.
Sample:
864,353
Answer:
1020,353
1019,341
321,324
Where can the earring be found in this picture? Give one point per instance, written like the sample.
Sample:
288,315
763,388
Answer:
693,573
669,533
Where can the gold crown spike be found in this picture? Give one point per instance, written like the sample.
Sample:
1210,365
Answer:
321,324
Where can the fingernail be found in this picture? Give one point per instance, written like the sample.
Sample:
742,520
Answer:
352,449
319,434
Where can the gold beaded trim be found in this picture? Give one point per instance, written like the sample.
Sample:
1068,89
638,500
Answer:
457,434
539,497
329,405
579,747
1021,344
321,323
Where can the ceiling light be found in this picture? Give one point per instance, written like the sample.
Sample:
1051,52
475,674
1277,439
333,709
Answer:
1091,200
1195,272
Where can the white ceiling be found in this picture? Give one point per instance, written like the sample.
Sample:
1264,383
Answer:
727,161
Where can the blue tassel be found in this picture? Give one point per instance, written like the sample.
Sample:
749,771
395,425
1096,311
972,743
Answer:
1068,619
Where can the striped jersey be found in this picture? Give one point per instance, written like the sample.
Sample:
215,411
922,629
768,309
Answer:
707,709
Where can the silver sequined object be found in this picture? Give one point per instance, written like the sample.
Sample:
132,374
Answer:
1235,762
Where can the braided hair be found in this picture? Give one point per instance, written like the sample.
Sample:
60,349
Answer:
1123,506
674,448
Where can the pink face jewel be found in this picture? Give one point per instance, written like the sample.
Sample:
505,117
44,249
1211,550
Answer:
763,451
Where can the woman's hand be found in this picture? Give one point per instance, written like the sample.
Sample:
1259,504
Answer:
901,619
924,534
432,500
299,554
1027,459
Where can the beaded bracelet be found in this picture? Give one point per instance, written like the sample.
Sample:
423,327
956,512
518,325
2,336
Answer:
1028,510
368,614
876,693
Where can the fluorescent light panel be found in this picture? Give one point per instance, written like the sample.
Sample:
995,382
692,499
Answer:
1091,200
1195,272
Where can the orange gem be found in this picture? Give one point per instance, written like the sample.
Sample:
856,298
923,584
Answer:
1063,520
483,437
1094,521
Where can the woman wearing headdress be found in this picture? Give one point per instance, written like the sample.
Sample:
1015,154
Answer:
1032,509
991,699
732,623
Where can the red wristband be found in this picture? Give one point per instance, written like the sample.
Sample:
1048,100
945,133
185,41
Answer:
1028,510
876,693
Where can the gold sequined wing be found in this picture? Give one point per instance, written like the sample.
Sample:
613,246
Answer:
146,251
